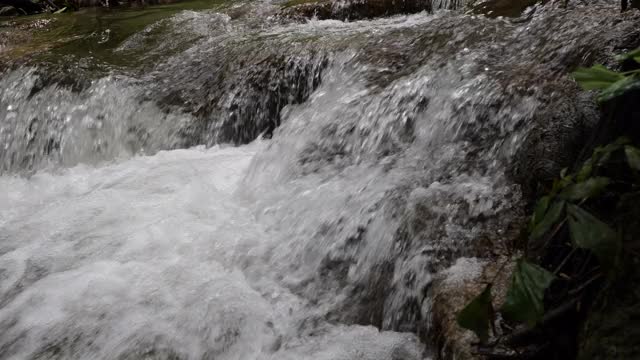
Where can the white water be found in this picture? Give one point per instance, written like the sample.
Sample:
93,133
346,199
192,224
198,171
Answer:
273,250
144,258
390,170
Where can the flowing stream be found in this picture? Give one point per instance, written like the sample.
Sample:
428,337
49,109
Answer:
221,183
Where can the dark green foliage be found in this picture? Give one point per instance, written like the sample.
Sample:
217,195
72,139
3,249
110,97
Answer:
588,232
524,302
476,316
586,189
556,210
541,209
596,77
620,87
633,157
585,206
610,83
563,203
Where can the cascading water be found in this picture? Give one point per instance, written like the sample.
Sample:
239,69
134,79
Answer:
390,149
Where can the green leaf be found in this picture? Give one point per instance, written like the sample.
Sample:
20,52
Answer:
596,77
553,215
602,154
476,316
585,189
588,232
538,214
633,157
525,296
622,140
561,183
585,170
60,11
619,87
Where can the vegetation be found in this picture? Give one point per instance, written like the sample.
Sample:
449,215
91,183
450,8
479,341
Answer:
588,248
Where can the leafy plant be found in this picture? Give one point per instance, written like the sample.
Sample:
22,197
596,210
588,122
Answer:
588,232
611,83
569,205
476,316
524,302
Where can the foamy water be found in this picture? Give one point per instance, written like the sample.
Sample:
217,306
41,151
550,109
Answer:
143,259
390,157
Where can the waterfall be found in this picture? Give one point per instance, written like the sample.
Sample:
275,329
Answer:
253,189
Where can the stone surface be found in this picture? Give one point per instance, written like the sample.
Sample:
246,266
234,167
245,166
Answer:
452,290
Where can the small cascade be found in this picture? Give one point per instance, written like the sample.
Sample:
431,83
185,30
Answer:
448,4
57,126
256,188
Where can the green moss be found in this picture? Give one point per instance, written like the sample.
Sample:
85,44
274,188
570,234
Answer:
94,33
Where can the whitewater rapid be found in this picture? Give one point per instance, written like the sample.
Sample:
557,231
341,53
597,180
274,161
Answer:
143,258
369,158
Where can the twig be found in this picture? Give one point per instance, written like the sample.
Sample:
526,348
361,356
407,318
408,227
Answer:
555,272
585,284
522,332
555,232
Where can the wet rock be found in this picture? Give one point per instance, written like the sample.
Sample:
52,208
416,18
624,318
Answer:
353,9
23,6
495,8
320,10
238,101
114,3
9,11
563,126
557,138
451,291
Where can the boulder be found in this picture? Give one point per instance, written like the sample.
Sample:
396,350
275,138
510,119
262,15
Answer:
452,290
